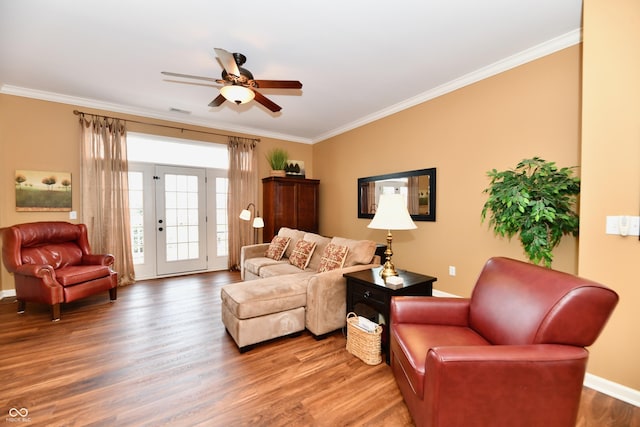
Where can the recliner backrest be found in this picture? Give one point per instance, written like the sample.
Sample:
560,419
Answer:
55,243
515,302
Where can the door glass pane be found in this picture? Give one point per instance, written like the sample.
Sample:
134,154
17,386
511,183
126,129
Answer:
222,229
136,215
181,214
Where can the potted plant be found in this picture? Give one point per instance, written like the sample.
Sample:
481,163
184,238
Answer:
535,201
277,158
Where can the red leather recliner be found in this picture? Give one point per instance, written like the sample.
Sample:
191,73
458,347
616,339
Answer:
52,263
511,355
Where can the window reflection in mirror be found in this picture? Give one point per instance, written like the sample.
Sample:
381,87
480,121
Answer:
418,188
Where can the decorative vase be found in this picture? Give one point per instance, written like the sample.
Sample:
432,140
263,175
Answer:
280,173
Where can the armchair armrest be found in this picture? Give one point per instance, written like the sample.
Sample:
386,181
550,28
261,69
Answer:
430,310
36,270
98,259
523,380
43,272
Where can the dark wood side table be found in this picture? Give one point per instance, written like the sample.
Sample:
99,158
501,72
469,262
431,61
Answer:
368,296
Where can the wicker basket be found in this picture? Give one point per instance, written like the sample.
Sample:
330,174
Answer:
362,344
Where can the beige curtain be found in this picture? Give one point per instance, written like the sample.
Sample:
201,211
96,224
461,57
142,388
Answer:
105,199
243,189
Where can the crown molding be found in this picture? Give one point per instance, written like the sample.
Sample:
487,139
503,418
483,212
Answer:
551,46
123,109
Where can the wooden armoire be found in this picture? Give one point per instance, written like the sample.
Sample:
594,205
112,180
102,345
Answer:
289,202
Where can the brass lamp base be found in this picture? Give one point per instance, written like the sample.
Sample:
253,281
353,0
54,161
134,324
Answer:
388,269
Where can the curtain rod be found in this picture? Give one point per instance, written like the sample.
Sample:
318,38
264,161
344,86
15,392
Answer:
78,113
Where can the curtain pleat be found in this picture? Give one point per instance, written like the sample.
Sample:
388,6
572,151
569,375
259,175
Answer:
243,189
105,191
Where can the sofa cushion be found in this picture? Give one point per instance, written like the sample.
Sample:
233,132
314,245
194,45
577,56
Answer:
360,251
301,254
74,274
321,244
277,247
295,235
255,265
279,269
246,300
333,257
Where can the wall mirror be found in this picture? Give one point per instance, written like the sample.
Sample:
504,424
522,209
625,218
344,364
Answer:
418,187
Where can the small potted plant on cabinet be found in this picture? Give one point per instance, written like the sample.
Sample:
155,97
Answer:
277,158
535,201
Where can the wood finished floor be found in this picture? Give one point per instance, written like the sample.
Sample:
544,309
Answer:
159,356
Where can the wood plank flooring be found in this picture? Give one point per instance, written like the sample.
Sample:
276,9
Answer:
160,356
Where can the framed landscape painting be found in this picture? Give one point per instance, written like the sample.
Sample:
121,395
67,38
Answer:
43,191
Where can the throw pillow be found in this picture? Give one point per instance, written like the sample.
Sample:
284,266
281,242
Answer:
301,254
277,247
333,257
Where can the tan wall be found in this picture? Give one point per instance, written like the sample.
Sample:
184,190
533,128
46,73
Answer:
611,176
533,110
41,135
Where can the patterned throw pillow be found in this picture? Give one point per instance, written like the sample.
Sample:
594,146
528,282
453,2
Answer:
277,247
333,257
301,254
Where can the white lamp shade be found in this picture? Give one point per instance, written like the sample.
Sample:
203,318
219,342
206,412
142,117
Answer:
392,214
237,94
258,222
245,215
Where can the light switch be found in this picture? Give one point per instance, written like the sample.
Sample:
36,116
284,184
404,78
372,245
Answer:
614,225
73,215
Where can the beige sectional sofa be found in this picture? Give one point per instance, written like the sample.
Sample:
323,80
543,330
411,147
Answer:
277,298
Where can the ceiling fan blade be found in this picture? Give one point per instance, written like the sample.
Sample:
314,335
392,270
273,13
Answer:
284,84
228,61
218,101
188,76
267,102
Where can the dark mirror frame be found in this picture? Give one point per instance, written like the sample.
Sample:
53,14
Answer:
430,198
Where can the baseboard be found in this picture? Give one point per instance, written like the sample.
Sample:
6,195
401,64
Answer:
437,293
610,388
8,293
615,390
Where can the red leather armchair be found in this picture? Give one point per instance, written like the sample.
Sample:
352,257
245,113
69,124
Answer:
52,264
511,355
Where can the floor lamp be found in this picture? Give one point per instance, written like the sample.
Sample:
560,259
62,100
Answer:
392,214
258,222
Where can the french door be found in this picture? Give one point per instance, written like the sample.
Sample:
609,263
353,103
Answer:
178,219
181,233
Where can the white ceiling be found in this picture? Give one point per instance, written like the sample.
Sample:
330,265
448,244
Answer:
358,60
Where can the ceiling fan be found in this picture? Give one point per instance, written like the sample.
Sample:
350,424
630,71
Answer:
239,84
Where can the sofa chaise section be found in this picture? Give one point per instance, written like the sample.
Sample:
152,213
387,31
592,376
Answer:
277,298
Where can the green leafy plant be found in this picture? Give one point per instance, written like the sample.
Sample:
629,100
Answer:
535,201
277,158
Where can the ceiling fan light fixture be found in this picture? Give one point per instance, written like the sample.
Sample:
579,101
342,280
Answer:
237,94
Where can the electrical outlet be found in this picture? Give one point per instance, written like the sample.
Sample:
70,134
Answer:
452,270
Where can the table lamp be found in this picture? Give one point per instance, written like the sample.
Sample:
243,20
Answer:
392,214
